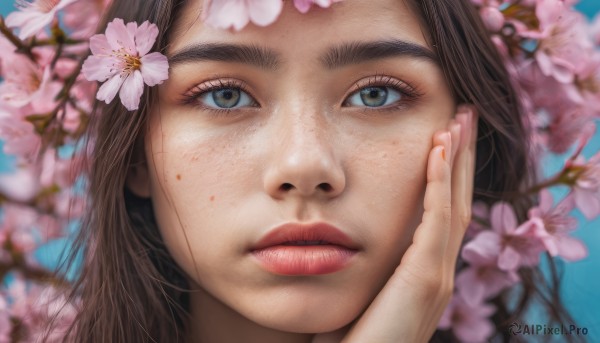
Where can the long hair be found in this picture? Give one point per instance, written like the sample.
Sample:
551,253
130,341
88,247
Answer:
131,288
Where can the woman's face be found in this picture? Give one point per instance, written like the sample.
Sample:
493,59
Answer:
325,117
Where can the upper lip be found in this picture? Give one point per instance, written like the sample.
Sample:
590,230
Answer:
294,232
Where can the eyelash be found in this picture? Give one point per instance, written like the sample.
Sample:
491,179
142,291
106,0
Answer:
191,96
409,93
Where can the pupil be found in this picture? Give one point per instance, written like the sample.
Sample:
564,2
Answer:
374,96
226,97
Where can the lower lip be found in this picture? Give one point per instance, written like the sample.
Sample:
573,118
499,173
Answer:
304,259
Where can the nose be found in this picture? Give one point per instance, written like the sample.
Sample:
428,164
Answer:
303,159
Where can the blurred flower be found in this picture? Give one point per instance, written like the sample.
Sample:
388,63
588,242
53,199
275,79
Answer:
34,15
469,323
492,18
513,246
483,279
44,311
304,5
83,16
555,225
586,189
19,136
121,58
224,14
562,37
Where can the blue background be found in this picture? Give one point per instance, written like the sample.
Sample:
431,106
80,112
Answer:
581,280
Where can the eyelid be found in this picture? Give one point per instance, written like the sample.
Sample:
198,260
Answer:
380,80
193,94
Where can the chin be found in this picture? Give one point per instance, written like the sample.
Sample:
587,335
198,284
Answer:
310,323
306,314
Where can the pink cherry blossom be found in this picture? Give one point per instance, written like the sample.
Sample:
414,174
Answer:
22,185
120,57
224,14
512,245
555,225
304,5
492,18
34,15
586,189
38,306
585,91
480,215
470,323
482,279
20,224
82,17
562,37
19,136
25,81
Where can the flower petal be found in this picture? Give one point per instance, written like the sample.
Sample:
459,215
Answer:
503,218
264,12
30,22
587,203
99,45
145,37
571,249
132,90
109,90
118,36
303,5
483,249
509,259
97,68
225,14
155,68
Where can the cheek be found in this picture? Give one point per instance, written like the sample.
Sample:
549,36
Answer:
193,183
389,179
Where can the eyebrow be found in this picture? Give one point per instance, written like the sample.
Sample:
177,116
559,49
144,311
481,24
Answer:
359,52
336,57
248,54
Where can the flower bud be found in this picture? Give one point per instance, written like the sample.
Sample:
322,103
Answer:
492,18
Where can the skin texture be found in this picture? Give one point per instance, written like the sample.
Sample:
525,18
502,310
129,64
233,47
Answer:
220,182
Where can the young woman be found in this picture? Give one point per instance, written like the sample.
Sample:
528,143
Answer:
307,181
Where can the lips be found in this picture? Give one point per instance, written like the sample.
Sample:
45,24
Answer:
304,249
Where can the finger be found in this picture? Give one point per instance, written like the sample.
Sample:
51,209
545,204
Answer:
472,155
431,236
462,183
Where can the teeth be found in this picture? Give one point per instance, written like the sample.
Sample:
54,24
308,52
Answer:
305,243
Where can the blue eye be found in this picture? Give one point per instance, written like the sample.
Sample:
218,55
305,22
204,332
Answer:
226,98
374,97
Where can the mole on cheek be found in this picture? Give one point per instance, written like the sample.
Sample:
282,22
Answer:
178,176
212,198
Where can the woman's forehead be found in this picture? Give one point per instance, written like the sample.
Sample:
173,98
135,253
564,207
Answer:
297,35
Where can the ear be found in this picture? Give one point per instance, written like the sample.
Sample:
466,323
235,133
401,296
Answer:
137,180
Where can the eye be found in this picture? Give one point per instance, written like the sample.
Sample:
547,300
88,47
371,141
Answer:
225,98
379,96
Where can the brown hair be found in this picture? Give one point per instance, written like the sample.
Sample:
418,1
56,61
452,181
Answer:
131,288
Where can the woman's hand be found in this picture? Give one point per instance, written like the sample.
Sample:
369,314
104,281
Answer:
411,303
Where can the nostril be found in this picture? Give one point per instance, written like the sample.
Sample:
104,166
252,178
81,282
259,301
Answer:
326,187
286,186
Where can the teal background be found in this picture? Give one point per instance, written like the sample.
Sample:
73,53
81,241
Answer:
581,280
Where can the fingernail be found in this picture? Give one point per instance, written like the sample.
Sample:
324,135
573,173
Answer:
447,139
